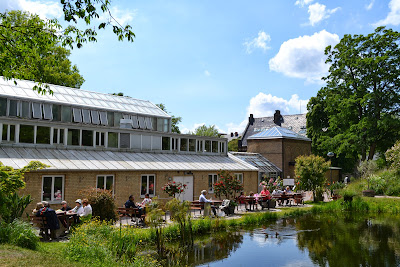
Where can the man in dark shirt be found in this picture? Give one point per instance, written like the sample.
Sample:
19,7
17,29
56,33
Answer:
131,204
51,218
65,206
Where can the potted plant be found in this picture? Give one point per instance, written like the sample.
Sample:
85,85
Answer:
172,188
229,187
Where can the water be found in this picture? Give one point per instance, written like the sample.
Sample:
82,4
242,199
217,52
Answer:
329,240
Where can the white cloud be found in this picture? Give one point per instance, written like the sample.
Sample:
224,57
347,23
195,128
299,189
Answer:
370,5
45,9
207,73
303,57
303,3
318,12
264,105
261,41
393,18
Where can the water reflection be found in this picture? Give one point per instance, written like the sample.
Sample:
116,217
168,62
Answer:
307,241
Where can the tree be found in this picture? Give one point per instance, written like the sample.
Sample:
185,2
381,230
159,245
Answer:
203,130
174,120
227,186
47,61
23,51
357,113
233,145
310,173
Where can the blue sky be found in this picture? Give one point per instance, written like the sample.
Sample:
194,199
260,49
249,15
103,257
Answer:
215,62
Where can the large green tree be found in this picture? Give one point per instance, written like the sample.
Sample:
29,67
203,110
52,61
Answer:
47,61
174,120
204,130
35,35
357,113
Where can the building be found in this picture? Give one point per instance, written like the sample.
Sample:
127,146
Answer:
91,139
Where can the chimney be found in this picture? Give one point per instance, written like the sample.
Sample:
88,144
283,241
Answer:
231,134
278,117
251,119
236,134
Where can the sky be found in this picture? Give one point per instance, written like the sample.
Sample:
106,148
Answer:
216,62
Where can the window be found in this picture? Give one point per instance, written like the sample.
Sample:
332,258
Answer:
212,179
8,133
25,110
239,177
77,112
174,143
110,119
66,114
26,134
207,146
47,112
154,124
117,119
125,140
53,188
103,118
3,106
184,144
36,110
160,124
86,116
112,140
141,122
58,136
222,147
166,143
100,139
105,182
147,185
13,106
192,145
135,122
73,137
215,146
56,112
42,135
199,145
148,123
87,138
95,117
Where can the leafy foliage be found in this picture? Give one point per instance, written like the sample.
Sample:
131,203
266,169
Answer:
227,186
271,183
356,113
393,156
204,130
310,173
102,202
233,145
18,233
172,188
180,213
174,120
30,50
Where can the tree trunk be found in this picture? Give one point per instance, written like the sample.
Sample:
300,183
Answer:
372,151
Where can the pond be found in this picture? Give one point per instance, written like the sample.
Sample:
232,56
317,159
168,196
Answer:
318,240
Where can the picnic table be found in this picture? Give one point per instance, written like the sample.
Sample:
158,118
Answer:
296,197
65,219
130,213
197,205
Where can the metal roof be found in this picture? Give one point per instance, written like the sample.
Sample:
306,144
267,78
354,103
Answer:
278,132
257,160
296,123
65,159
72,96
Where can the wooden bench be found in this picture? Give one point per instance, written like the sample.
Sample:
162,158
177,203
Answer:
196,205
131,213
41,223
298,199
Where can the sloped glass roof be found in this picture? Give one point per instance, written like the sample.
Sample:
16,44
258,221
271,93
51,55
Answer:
73,96
257,160
278,132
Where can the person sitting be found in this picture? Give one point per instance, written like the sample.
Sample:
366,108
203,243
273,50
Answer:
146,201
265,196
87,210
51,218
78,207
39,205
130,203
202,198
288,190
65,206
251,201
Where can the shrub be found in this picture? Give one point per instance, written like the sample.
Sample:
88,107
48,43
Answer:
19,233
227,186
393,156
102,202
378,184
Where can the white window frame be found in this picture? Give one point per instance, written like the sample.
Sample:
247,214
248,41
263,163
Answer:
237,176
47,112
59,141
147,189
9,132
38,112
215,178
77,115
105,181
52,201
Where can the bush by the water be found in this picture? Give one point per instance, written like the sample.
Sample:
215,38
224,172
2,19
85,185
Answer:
18,233
386,182
102,202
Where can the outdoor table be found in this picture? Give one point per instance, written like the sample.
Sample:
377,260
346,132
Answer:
252,201
284,196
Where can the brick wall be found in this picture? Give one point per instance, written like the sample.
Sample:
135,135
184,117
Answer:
125,184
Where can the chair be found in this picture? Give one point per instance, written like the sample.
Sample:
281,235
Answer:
225,206
41,223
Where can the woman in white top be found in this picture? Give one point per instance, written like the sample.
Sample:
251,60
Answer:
78,208
87,209
146,201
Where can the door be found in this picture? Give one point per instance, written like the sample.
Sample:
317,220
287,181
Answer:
188,193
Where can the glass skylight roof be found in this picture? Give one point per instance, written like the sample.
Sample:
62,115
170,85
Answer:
278,132
72,96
